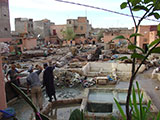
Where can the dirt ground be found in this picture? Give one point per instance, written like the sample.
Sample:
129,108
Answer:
149,85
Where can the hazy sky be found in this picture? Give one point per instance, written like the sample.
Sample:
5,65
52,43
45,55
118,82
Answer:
58,12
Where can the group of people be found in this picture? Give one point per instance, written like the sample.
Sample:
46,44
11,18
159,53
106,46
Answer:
33,82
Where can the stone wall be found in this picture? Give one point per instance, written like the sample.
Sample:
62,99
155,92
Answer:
3,104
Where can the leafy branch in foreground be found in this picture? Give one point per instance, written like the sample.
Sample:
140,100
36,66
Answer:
38,115
149,8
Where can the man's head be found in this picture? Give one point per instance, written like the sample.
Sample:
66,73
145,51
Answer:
13,66
30,69
45,65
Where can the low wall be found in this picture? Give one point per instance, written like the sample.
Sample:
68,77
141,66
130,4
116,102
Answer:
104,68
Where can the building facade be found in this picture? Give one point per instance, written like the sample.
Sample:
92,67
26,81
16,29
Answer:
5,35
24,26
80,26
149,34
42,28
111,33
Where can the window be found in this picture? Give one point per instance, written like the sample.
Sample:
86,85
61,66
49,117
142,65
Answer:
5,15
145,40
69,22
6,29
81,27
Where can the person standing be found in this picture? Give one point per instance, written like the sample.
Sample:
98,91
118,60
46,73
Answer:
13,74
33,81
48,81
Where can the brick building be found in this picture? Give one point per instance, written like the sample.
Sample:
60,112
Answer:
149,33
111,33
5,35
80,26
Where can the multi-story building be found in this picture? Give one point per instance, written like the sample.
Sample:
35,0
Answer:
42,28
149,34
57,30
5,35
24,26
80,26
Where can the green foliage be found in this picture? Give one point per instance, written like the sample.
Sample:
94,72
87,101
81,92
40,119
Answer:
153,43
123,5
138,56
100,35
156,50
158,30
119,37
28,100
120,110
122,58
69,34
133,47
77,115
135,35
138,109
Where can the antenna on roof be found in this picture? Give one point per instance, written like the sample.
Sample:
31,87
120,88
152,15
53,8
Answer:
86,12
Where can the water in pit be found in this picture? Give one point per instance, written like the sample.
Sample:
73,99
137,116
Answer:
23,110
101,97
63,113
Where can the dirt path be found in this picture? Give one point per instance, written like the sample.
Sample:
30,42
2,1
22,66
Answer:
149,85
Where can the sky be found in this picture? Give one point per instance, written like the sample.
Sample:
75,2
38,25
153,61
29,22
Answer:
59,12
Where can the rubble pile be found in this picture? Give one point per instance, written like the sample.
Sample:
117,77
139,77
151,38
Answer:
64,78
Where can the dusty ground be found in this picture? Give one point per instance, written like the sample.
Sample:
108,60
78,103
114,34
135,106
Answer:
149,85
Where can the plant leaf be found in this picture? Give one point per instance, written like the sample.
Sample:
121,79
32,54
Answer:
24,96
135,2
158,30
135,103
158,116
139,7
120,109
132,47
135,34
136,55
156,50
123,5
119,37
28,100
156,15
122,58
153,43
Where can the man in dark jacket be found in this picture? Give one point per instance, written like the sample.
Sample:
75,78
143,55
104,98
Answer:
48,81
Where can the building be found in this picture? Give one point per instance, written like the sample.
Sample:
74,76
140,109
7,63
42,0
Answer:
42,28
24,26
111,33
149,33
57,30
5,35
80,26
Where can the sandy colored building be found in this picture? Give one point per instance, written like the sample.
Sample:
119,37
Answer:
24,26
57,30
42,28
5,35
149,33
80,26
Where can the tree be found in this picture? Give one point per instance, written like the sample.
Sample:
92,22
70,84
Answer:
68,34
100,35
150,8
